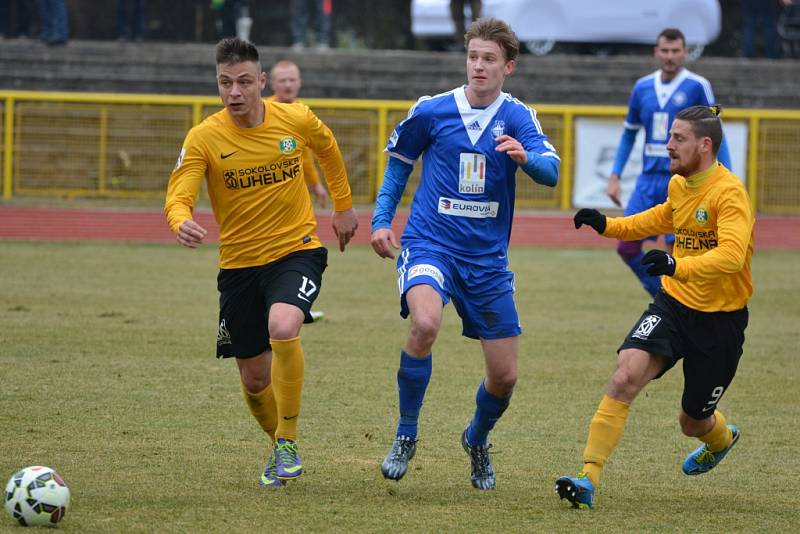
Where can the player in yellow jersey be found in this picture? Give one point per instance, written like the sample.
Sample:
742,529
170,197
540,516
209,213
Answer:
285,82
270,258
699,315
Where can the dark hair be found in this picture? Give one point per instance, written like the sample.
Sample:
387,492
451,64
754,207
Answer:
232,50
705,123
497,31
671,34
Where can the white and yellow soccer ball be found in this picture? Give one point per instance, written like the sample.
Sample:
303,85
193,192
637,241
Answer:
36,496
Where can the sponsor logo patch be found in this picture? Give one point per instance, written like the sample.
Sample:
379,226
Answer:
425,269
646,327
467,208
471,173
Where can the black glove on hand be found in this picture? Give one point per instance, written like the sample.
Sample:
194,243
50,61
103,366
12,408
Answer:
591,217
660,263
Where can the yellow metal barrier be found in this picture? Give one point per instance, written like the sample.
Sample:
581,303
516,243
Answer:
121,145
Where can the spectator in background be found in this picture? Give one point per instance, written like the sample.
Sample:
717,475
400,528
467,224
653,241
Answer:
457,12
285,82
759,13
227,13
22,18
130,20
55,22
300,18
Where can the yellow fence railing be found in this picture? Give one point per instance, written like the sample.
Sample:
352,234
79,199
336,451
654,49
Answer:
123,145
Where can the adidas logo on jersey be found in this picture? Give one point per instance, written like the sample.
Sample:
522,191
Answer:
475,126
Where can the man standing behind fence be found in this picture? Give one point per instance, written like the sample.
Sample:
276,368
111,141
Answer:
271,260
654,101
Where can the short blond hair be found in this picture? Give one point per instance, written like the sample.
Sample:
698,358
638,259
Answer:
494,30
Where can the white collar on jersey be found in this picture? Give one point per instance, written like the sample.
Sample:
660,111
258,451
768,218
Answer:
664,91
476,120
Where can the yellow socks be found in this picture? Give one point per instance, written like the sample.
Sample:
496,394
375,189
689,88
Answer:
604,433
262,406
288,371
720,436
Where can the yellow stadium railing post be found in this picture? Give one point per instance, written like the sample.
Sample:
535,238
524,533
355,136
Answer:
8,147
377,181
752,160
567,161
101,159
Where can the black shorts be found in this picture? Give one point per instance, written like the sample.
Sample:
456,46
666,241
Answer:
710,344
246,295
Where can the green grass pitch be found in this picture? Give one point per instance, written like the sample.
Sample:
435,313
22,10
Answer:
107,373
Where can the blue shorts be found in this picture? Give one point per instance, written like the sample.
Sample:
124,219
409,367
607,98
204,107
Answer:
651,190
482,295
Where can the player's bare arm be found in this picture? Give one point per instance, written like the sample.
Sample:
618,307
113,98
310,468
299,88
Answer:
513,148
191,234
383,241
345,224
613,189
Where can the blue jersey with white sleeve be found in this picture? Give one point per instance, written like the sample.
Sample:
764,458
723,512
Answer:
653,105
464,203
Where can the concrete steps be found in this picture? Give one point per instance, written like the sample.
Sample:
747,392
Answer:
187,68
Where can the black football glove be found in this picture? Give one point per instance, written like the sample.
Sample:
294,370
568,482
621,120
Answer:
660,262
591,217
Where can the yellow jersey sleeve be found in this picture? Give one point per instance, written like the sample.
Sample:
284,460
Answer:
184,182
712,219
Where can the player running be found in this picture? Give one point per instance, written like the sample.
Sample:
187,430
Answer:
700,314
472,140
271,260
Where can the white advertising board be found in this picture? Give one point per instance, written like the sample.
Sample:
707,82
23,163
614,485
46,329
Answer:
596,143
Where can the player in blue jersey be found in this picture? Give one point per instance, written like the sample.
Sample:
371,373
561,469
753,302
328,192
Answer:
654,102
472,140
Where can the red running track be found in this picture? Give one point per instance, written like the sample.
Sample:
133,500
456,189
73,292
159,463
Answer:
149,226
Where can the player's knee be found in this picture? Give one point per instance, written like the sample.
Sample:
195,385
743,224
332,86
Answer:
284,328
628,250
502,385
623,385
424,329
254,382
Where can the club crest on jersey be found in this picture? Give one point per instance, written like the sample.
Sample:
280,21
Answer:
679,98
701,215
646,327
287,145
498,128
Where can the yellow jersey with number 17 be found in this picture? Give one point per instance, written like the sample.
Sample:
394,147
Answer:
255,182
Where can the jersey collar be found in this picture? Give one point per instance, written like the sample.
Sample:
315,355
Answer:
476,120
665,90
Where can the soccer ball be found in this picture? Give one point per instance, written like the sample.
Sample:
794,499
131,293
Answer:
37,495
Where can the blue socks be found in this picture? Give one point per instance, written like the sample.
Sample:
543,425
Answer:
412,381
488,410
651,283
